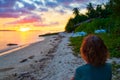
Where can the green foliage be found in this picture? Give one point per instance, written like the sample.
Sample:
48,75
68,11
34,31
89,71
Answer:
112,42
115,66
115,4
81,27
98,23
79,18
101,11
76,42
106,17
91,11
76,11
72,22
70,25
116,28
111,38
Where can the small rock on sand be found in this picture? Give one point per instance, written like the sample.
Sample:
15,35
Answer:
24,60
31,57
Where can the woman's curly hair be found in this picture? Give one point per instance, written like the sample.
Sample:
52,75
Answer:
94,51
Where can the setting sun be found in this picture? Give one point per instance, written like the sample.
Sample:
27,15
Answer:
24,29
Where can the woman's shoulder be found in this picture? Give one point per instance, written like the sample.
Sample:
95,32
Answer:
89,66
83,67
108,65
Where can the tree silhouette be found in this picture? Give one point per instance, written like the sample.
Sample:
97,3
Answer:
116,7
70,25
76,11
91,11
98,11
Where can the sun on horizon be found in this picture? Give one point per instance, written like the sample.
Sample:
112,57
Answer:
24,29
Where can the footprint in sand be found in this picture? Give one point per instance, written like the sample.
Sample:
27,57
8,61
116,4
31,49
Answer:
24,60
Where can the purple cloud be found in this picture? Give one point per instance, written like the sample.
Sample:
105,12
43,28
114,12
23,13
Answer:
27,19
17,8
44,25
4,13
12,13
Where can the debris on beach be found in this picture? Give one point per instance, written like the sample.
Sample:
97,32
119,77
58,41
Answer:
12,44
24,60
82,33
31,57
6,69
100,31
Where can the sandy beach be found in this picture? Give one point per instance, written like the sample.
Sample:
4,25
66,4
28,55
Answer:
50,59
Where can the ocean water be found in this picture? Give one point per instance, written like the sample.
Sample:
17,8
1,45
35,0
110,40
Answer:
17,37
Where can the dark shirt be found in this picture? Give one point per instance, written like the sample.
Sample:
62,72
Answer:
89,72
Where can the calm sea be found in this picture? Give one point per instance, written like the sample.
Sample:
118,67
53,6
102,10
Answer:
18,37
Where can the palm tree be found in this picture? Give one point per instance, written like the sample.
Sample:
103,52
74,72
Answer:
90,7
91,11
116,7
76,11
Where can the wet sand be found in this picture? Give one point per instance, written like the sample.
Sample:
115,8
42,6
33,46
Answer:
20,60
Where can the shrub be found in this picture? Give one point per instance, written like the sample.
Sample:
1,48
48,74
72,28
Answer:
112,42
81,27
70,25
76,42
111,38
99,23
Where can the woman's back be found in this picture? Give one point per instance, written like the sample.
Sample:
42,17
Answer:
89,72
95,53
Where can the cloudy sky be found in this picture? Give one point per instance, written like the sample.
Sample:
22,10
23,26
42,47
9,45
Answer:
39,13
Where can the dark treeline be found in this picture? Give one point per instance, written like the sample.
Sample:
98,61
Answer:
109,10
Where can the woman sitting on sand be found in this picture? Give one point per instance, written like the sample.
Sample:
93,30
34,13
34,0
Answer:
95,54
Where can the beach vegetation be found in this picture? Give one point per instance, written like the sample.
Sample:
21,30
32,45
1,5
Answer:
102,12
72,22
109,23
98,23
103,17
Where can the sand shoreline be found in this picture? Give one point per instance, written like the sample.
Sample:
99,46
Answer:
12,47
15,61
50,59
